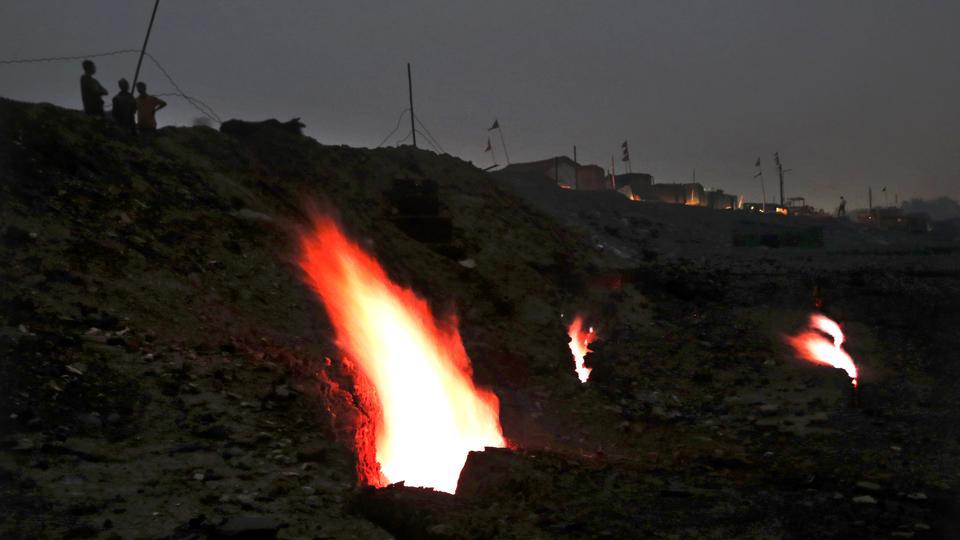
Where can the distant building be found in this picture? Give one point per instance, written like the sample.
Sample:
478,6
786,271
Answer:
566,172
636,181
718,200
691,194
591,177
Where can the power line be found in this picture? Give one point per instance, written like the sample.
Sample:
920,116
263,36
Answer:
62,58
385,139
401,141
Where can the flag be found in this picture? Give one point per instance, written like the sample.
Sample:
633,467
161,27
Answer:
496,125
624,145
626,152
884,189
489,148
757,164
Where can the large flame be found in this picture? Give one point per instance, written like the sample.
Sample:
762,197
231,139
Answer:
813,345
431,414
579,341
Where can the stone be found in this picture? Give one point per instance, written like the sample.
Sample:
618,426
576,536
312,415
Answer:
864,499
769,409
868,486
248,528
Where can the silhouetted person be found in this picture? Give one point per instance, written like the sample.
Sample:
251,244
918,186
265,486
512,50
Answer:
147,107
125,107
90,90
842,209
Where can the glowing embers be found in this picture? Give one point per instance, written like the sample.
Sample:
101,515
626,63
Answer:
822,343
431,414
579,342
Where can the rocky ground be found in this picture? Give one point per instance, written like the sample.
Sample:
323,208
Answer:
164,373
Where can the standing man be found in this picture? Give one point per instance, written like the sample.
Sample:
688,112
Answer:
91,92
125,107
842,209
147,107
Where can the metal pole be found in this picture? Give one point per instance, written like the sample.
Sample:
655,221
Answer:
143,49
776,157
576,170
413,127
504,143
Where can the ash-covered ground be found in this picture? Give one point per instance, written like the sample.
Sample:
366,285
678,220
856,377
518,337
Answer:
164,372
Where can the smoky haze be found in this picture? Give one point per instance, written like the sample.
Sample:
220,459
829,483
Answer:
852,94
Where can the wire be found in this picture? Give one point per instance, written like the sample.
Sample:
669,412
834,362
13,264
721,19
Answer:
435,149
431,138
385,139
401,141
197,104
62,58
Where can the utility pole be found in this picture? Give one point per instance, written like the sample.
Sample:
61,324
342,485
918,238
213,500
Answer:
780,172
413,126
143,49
576,169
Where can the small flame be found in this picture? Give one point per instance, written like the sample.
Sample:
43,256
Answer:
431,413
813,345
579,341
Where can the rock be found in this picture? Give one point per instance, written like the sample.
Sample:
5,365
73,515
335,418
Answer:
248,528
313,452
918,496
864,499
769,409
91,421
247,214
468,263
76,369
767,423
868,486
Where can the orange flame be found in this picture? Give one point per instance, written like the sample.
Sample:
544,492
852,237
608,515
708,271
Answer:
431,413
579,341
814,346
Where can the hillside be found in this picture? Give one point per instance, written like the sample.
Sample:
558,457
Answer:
165,373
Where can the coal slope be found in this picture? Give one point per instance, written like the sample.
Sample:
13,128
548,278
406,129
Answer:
164,372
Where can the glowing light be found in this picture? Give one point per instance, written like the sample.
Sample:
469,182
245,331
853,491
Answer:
813,345
431,413
579,341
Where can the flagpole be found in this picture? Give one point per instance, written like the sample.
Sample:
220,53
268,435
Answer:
493,153
504,143
613,173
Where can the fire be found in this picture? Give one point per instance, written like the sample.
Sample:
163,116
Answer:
814,346
431,413
579,341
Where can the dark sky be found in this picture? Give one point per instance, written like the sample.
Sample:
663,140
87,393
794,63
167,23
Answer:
852,93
